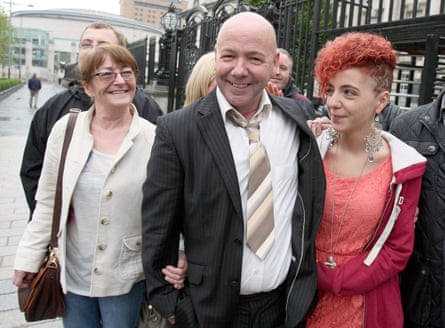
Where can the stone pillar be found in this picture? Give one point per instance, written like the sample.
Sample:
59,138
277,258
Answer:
50,62
28,59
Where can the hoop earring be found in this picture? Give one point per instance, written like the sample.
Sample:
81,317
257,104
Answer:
373,141
332,136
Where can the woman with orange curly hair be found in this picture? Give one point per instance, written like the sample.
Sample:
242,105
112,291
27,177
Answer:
373,183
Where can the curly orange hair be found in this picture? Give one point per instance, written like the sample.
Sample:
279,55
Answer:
369,52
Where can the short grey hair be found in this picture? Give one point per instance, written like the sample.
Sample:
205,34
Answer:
285,52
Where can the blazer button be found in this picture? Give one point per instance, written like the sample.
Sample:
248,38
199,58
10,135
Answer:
234,283
108,193
238,241
104,220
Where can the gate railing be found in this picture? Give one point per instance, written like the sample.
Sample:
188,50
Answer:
303,26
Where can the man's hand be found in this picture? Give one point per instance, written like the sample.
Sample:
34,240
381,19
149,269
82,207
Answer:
176,275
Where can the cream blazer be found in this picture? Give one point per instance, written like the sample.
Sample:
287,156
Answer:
117,264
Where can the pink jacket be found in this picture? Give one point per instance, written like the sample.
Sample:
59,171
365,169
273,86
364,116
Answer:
375,272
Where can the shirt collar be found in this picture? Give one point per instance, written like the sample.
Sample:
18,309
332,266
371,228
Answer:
265,104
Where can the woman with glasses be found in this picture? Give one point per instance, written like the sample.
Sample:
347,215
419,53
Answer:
100,228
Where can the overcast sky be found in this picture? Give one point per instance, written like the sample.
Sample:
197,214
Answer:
110,6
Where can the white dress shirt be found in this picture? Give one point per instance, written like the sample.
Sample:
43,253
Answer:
281,140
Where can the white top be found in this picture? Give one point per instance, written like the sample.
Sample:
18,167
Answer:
281,141
83,222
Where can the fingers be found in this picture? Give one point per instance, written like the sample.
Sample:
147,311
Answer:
174,276
174,272
318,125
274,90
416,215
22,279
182,260
177,283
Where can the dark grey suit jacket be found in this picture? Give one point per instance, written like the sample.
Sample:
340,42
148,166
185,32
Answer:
192,188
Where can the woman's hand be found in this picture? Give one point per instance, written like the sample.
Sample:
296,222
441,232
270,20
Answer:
176,275
273,90
319,124
22,279
416,215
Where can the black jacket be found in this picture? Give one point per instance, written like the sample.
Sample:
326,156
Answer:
422,282
292,91
43,121
387,115
34,84
192,187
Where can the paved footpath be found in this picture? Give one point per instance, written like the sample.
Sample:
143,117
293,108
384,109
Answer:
15,116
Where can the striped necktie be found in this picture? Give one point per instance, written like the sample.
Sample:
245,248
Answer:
260,221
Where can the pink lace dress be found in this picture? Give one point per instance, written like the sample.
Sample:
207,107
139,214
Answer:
344,234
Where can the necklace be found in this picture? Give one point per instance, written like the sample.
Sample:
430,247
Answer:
331,260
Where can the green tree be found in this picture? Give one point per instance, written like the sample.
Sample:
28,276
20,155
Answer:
4,37
255,3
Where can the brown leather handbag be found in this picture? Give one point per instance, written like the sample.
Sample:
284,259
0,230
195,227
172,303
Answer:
44,298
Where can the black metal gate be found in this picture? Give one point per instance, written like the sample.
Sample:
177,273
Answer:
303,26
139,51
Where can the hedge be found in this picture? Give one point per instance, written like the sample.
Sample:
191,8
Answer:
8,83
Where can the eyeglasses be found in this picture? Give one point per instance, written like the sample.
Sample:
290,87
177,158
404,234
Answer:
111,76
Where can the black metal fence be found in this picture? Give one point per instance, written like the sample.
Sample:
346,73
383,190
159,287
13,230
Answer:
139,51
415,28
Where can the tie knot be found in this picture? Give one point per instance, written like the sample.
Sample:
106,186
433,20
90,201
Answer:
237,118
241,121
252,128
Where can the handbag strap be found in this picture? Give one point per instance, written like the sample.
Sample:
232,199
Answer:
54,243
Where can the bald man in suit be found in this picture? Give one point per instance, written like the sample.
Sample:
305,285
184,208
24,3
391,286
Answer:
197,185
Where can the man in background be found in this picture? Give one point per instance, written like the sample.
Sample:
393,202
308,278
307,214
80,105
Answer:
423,280
34,86
283,84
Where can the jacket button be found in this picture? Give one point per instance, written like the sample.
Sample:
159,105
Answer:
97,271
108,193
102,246
432,149
238,241
234,283
104,220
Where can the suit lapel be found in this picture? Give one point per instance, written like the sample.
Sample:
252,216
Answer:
211,126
